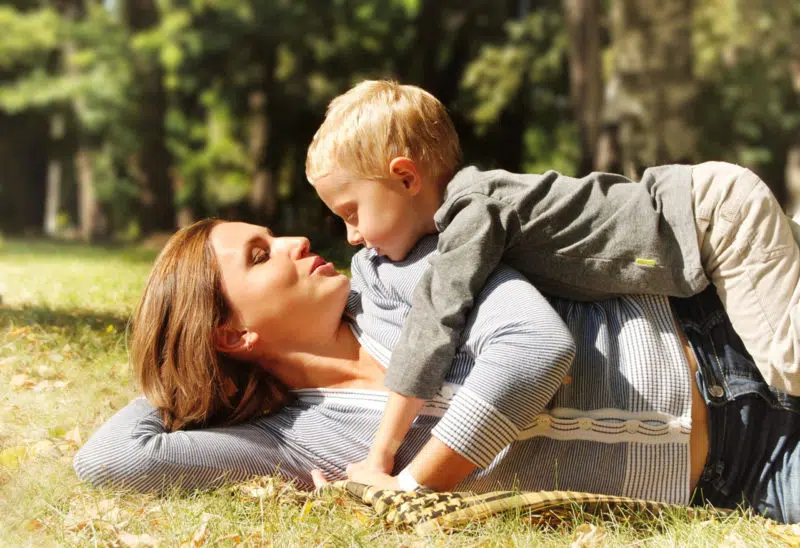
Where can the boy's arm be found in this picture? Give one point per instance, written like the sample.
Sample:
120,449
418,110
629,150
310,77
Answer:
478,231
398,415
523,351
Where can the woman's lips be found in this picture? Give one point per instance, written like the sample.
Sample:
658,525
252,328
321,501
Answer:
321,266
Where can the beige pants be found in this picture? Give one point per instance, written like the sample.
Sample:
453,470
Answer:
749,253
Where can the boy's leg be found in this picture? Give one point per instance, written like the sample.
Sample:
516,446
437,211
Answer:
749,253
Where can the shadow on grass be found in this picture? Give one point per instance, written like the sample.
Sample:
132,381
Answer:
70,320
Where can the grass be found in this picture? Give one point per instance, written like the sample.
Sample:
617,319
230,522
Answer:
64,371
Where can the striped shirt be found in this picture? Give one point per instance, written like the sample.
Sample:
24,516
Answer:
609,413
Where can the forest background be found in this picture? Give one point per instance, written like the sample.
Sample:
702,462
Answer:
123,118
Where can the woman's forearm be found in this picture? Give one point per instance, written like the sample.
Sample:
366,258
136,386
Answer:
439,467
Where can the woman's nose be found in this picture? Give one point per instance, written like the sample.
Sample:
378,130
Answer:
353,236
296,247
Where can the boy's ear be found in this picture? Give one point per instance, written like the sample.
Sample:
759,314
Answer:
405,170
230,340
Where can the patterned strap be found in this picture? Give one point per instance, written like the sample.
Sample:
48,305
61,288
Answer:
428,510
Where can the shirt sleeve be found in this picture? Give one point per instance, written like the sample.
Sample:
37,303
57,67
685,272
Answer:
478,231
522,351
134,450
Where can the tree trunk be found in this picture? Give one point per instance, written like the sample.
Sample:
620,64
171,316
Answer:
586,78
263,193
88,209
153,160
651,93
52,203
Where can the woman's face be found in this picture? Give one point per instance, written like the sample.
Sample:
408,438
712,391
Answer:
276,287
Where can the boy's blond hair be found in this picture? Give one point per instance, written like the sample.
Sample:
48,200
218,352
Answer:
378,120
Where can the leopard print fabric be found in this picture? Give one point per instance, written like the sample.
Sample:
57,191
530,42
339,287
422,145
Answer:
427,510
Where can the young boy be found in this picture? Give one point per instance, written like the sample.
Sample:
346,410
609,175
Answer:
386,161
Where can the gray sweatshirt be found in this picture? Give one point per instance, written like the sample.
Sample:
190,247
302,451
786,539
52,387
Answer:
589,239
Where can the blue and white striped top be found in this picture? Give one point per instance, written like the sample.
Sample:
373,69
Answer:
614,420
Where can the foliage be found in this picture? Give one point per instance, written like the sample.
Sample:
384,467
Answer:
192,101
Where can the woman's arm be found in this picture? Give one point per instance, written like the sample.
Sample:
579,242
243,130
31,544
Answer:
133,450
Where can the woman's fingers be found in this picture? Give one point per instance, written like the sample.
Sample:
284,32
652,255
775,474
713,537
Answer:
318,479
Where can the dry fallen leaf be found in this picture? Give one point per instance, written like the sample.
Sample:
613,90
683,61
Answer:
236,539
732,540
8,362
129,539
45,448
587,535
41,386
74,436
21,380
199,537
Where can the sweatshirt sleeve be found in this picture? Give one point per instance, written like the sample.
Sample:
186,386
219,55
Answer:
133,450
522,351
477,231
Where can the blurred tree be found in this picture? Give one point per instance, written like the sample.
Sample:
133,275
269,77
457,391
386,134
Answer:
651,91
750,110
149,164
586,76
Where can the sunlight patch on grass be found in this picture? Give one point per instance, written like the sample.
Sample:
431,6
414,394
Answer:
64,371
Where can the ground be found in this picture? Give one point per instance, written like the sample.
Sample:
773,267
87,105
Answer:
64,371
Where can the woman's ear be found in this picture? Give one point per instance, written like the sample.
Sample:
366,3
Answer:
405,170
230,340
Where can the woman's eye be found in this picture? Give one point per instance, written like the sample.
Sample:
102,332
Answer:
351,218
260,255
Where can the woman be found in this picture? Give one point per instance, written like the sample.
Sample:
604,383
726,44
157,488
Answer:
233,317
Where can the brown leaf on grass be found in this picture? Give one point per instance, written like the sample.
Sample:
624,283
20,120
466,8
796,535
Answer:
199,537
18,331
236,539
128,539
33,525
21,380
587,535
732,540
42,386
74,436
8,362
46,448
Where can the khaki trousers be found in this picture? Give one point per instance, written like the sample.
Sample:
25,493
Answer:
749,253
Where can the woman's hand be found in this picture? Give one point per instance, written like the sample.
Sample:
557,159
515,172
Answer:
362,472
318,479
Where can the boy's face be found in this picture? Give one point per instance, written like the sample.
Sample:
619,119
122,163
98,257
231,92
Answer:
380,214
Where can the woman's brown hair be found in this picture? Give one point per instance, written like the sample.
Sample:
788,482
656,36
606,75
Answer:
172,346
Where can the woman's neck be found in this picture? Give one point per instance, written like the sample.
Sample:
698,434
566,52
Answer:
341,362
